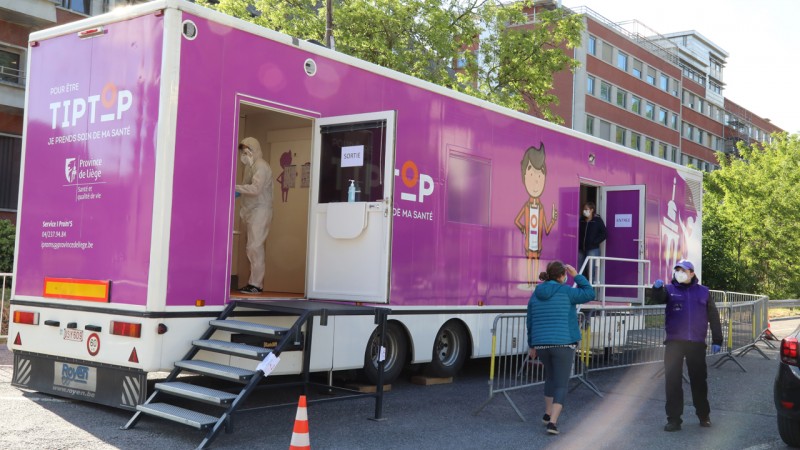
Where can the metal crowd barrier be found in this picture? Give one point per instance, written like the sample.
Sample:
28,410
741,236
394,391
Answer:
5,302
615,337
511,367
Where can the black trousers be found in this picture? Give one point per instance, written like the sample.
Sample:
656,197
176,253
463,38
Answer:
695,355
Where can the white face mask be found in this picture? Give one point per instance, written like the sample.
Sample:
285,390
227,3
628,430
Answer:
587,213
247,160
681,277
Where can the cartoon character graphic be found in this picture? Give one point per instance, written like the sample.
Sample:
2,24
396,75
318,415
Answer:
531,220
286,161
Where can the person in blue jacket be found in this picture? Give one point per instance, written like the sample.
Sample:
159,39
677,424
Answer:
553,332
687,316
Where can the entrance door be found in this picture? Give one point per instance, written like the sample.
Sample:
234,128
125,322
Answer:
350,232
624,214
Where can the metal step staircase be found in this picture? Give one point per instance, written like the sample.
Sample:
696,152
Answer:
286,339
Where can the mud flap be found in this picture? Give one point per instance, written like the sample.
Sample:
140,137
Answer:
119,387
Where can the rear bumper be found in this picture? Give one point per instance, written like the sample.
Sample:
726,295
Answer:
119,387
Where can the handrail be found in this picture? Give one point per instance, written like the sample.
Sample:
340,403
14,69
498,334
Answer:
598,263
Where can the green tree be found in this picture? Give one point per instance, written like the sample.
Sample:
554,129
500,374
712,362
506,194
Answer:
508,63
750,214
7,238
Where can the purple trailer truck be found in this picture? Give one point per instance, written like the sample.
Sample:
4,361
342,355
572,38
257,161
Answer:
129,239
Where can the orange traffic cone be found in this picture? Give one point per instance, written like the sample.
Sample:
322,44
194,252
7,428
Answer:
300,438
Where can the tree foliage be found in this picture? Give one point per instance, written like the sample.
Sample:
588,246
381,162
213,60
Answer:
7,239
751,210
507,63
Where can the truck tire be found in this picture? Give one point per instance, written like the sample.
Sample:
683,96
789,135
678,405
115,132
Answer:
449,350
789,430
396,349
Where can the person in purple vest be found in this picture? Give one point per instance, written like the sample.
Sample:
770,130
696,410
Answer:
688,313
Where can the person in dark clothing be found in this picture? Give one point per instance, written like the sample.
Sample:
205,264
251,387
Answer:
688,313
591,233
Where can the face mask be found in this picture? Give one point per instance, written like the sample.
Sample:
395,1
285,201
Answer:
681,277
587,213
247,160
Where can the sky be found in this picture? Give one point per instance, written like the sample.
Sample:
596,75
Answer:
762,39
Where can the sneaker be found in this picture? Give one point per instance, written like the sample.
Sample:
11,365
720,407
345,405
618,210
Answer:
552,428
250,289
672,426
546,419
705,422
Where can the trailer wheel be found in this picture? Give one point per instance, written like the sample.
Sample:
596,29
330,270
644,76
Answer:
449,350
396,348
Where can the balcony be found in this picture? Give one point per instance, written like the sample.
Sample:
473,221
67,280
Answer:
12,89
32,13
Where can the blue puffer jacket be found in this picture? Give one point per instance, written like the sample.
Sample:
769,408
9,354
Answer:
552,317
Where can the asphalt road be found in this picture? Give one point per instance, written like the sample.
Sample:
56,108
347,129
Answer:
629,416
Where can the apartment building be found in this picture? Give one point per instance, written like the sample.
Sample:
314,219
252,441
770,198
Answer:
658,94
19,18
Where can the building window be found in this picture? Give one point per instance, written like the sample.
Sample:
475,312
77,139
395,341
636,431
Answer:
636,104
650,111
699,135
715,87
589,125
662,116
675,155
9,67
636,141
649,145
622,61
590,85
622,99
605,91
468,187
605,130
637,68
10,158
592,45
608,52
663,82
81,6
651,76
662,151
622,134
674,121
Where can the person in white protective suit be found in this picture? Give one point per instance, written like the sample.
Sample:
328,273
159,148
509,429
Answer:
256,209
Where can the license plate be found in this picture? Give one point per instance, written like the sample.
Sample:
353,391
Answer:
73,335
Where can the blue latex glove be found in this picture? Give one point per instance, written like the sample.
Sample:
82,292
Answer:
715,348
658,284
237,195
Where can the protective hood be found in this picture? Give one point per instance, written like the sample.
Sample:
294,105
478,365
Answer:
254,146
547,290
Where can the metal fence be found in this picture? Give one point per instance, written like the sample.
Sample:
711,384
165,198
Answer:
614,337
5,300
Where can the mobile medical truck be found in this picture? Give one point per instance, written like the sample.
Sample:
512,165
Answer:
129,241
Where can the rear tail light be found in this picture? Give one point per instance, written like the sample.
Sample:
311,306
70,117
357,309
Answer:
126,329
789,351
787,405
25,317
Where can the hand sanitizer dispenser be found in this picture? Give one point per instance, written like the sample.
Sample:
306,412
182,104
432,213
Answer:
351,192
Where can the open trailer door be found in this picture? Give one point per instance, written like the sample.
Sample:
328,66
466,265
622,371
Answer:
350,228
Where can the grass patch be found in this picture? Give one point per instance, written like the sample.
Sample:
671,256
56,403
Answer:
775,313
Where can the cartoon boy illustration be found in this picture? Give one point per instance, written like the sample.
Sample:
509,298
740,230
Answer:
531,219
